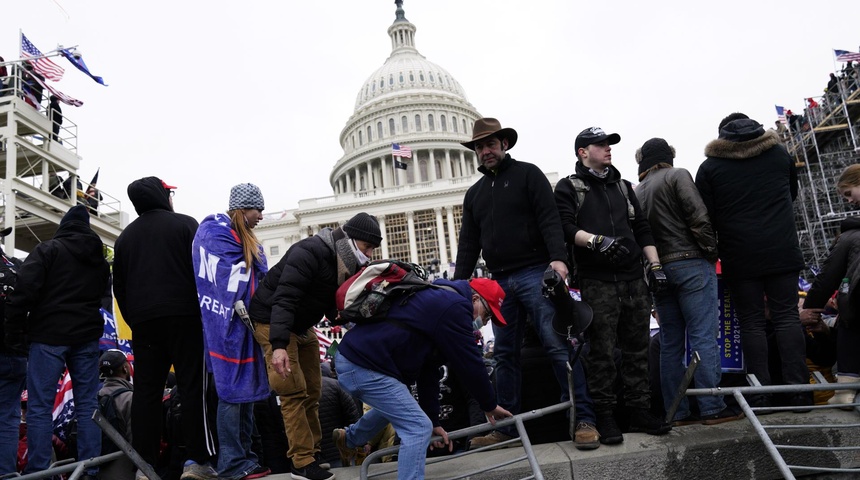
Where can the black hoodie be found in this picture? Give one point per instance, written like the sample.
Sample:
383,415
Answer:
60,286
153,273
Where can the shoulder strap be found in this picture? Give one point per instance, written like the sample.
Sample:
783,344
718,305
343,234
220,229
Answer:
631,212
580,188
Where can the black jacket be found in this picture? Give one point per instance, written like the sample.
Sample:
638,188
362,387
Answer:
59,289
843,261
509,216
603,212
336,410
8,275
153,273
678,217
749,183
298,291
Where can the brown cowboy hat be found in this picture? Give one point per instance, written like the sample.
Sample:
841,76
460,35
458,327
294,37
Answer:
484,127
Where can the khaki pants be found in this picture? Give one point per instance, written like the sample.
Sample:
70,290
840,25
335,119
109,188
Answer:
299,392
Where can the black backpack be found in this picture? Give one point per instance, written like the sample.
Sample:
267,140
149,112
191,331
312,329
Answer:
108,409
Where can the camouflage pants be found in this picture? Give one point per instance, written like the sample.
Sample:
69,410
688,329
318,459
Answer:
622,312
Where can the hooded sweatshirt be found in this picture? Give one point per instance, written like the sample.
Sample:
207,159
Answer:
153,273
60,286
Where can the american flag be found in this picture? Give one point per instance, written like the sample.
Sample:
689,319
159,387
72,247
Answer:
398,150
64,408
60,95
325,342
45,66
846,56
780,113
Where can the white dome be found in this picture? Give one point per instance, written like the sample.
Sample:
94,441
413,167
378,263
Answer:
406,71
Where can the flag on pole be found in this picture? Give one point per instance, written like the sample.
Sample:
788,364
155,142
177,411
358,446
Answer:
325,342
846,56
43,65
403,151
78,62
60,95
399,164
780,112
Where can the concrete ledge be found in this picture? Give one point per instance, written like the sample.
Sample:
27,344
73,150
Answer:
730,451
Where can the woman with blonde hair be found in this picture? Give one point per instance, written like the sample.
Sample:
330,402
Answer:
229,263
841,273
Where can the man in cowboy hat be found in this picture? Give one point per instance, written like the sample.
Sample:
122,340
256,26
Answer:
510,218
609,234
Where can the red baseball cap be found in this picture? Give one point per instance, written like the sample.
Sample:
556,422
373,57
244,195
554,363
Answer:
493,294
166,186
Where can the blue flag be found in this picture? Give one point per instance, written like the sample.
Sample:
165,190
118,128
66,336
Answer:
79,63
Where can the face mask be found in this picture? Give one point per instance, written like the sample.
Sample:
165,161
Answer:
359,255
478,323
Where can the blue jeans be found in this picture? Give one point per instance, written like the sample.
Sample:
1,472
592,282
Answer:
13,378
523,302
235,426
392,403
690,310
44,369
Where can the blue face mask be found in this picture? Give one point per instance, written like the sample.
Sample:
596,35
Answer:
478,323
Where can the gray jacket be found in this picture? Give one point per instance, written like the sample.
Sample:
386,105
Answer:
678,217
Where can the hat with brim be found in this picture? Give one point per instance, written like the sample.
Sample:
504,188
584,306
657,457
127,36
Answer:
5,232
572,319
486,127
493,294
593,135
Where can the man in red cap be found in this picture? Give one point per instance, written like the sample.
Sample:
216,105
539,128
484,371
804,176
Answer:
376,362
153,281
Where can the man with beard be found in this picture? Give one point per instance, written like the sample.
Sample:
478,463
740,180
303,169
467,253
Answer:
510,218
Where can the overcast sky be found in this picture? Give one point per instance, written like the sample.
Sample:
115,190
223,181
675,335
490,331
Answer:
209,94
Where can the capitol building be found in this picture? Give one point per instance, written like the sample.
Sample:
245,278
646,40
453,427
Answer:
415,103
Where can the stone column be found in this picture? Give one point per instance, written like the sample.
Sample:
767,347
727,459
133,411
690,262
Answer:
348,181
386,178
384,244
413,245
431,166
463,169
440,235
452,232
401,175
446,168
369,180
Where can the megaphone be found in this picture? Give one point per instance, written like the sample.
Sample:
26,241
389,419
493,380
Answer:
571,317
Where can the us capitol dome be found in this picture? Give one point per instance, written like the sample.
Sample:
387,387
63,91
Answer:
418,105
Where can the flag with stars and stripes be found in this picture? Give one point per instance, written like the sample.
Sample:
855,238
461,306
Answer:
846,56
402,151
64,408
45,66
325,342
780,114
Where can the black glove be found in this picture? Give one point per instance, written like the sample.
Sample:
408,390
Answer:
657,281
17,343
610,247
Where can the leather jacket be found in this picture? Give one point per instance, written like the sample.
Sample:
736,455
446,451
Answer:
678,217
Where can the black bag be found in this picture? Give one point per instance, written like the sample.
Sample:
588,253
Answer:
108,409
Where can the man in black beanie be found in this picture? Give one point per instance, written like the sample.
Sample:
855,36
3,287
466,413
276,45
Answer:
55,308
293,297
748,183
687,248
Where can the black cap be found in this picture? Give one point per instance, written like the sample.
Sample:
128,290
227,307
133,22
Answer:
76,213
111,361
364,227
593,135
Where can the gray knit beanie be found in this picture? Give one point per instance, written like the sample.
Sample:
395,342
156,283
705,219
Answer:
246,195
364,227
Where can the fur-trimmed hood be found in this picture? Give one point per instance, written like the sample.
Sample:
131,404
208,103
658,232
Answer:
739,150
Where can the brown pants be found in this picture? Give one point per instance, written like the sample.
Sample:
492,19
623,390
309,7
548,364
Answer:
299,393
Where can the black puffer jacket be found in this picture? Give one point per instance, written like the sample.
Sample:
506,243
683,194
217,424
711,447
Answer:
153,273
337,410
298,291
59,288
509,216
604,211
749,183
678,217
843,261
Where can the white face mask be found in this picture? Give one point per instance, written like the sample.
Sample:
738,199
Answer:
478,323
359,255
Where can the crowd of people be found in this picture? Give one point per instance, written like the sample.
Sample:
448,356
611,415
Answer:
202,300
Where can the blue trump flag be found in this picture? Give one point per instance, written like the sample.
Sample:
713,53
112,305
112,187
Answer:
78,62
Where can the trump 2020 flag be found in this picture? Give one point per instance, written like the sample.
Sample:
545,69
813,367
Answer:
846,56
78,62
780,113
